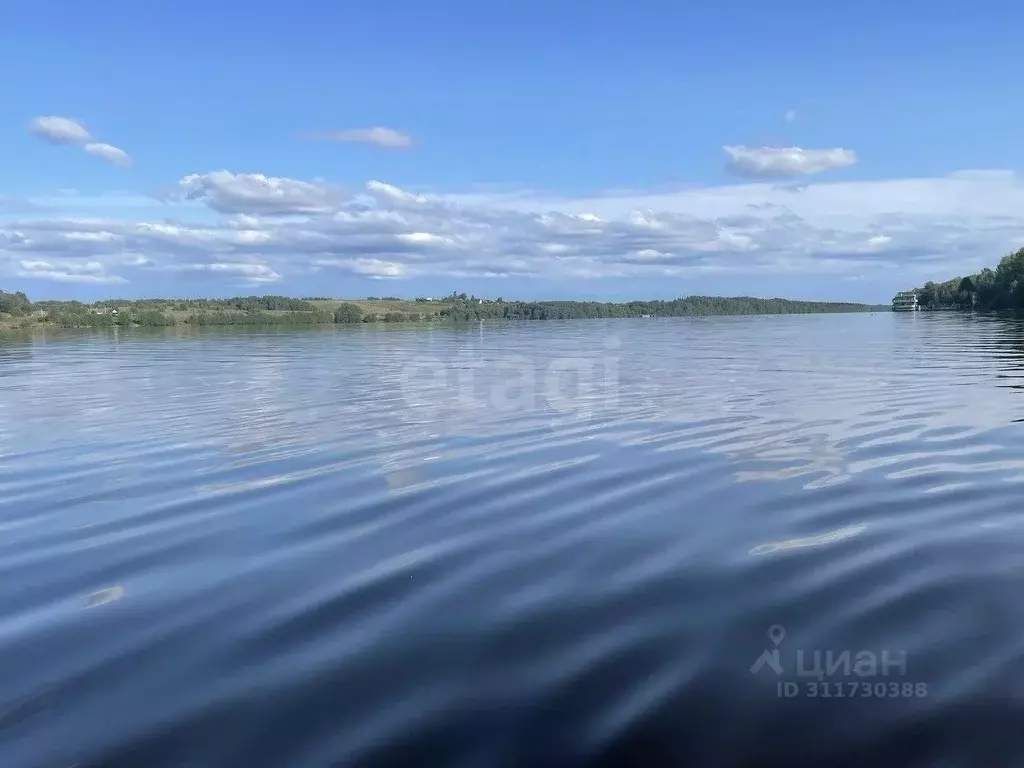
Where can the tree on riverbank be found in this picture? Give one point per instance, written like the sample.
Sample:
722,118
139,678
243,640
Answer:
14,303
348,313
1001,288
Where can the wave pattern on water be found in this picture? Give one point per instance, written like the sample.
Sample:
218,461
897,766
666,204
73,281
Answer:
524,544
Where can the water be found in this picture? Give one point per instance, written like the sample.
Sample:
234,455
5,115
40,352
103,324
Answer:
435,546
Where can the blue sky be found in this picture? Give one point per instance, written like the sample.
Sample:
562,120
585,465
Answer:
530,149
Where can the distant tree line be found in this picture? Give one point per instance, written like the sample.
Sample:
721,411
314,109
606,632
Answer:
691,306
1001,288
458,307
243,303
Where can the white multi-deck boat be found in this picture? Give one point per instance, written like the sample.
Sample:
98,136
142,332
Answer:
905,301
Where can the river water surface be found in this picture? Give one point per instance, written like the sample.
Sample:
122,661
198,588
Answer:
789,541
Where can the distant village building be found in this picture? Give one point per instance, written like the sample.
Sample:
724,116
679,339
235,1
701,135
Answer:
905,301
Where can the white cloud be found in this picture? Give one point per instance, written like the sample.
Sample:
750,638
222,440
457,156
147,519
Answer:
63,130
785,162
251,273
59,130
648,254
109,153
92,237
392,194
790,115
254,193
269,229
68,271
425,238
387,138
367,267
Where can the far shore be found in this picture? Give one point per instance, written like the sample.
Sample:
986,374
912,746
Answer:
17,312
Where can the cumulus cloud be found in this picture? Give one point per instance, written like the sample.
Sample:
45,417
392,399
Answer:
254,193
109,153
388,138
785,162
64,130
260,230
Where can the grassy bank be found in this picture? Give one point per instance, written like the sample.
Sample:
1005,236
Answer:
17,312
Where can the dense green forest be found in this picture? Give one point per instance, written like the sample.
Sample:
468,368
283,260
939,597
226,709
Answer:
458,307
690,306
1001,288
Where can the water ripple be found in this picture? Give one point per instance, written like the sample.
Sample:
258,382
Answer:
501,544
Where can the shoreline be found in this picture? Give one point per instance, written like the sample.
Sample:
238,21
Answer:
281,311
